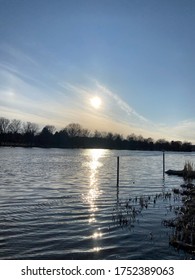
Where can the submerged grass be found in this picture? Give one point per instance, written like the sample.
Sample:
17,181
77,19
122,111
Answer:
126,212
188,169
183,236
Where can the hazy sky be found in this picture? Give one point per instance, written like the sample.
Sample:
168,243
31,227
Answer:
138,56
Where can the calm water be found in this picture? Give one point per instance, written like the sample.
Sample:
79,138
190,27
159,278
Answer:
64,204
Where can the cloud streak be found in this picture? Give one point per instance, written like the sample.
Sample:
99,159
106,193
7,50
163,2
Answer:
30,98
122,104
114,110
17,55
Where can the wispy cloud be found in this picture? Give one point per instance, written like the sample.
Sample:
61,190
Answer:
36,95
116,115
183,131
121,117
17,55
122,104
66,100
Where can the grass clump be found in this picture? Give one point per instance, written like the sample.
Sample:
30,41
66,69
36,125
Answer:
188,166
188,170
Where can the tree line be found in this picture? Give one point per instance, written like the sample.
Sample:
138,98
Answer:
27,134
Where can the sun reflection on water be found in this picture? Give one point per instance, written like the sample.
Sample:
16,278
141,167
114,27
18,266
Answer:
94,192
96,249
97,235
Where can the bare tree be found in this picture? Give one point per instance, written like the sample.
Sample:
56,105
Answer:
85,132
15,126
97,134
117,137
4,123
110,136
49,128
132,137
73,129
149,140
30,128
140,138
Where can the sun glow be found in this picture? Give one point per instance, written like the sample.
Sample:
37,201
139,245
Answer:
95,102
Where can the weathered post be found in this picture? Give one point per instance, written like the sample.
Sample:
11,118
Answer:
163,164
117,182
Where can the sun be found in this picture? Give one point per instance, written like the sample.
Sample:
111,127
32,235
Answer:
95,102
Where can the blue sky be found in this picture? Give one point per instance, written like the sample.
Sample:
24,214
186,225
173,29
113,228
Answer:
137,56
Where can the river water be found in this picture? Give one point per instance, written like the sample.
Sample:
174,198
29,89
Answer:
64,204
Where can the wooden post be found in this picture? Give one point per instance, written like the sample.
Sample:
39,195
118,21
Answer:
163,164
117,182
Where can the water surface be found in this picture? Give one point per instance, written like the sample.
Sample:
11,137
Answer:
64,204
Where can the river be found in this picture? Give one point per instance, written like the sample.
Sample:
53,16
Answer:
64,204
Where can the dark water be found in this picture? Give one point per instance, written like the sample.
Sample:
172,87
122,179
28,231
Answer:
64,204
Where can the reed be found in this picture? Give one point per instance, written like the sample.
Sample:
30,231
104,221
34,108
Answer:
183,236
188,169
188,166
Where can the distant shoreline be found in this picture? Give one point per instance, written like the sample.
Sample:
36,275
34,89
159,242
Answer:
22,145
14,133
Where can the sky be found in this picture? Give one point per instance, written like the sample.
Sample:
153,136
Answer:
136,56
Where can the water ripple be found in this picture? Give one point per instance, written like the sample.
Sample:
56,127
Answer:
64,204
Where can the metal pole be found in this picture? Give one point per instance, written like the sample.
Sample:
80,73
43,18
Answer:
117,182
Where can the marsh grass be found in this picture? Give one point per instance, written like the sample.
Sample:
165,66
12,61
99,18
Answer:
188,172
188,167
126,212
183,236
